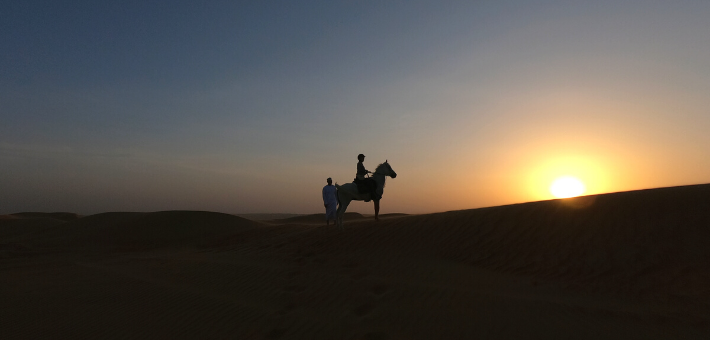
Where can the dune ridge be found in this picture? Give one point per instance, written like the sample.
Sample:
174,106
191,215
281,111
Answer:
640,241
320,218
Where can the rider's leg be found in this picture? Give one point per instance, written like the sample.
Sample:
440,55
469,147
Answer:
377,209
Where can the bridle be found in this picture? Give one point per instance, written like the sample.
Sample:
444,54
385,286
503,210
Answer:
379,173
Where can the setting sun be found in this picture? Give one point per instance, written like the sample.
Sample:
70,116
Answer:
564,187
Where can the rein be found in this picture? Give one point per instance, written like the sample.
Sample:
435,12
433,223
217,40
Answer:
379,173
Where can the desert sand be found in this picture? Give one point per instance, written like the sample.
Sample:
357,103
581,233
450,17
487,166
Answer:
631,265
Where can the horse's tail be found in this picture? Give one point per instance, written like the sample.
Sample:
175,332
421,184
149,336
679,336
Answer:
337,194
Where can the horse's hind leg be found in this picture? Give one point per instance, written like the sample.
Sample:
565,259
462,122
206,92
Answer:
341,211
339,216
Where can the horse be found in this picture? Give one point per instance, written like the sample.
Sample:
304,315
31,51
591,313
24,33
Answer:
348,192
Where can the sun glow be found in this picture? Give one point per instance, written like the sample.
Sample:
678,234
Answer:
567,186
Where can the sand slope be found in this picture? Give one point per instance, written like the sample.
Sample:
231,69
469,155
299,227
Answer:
314,219
628,265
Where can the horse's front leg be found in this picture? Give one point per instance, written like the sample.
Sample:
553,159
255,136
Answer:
377,209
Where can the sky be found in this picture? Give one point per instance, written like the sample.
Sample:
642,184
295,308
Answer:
248,106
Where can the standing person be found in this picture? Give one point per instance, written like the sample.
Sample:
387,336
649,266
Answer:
330,201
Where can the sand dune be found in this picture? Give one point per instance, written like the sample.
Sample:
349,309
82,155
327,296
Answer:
267,216
320,218
633,265
12,226
62,216
135,231
638,239
315,218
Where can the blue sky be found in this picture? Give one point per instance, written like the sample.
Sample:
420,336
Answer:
248,106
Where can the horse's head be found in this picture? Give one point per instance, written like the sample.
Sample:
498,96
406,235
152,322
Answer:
386,169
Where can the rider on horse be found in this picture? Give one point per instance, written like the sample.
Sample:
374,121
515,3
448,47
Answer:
365,185
363,189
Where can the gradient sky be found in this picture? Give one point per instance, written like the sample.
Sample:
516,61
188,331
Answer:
245,107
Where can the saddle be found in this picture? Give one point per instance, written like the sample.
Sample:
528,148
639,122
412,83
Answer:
367,186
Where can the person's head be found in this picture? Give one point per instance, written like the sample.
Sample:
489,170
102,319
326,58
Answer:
361,157
330,181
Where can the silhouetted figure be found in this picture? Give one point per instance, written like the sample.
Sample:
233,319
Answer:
365,185
349,192
330,202
361,171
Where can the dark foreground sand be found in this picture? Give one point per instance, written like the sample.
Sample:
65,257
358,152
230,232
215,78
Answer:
632,265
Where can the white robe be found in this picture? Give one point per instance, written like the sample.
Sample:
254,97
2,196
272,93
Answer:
330,200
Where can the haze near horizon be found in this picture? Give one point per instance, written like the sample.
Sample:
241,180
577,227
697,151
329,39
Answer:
248,108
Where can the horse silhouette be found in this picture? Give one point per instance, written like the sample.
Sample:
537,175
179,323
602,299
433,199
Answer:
348,192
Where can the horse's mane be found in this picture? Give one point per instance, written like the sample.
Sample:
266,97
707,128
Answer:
377,169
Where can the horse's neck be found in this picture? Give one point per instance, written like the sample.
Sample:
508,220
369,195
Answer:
380,179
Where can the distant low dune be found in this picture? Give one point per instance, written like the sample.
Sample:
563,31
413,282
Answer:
62,216
630,265
267,216
127,230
